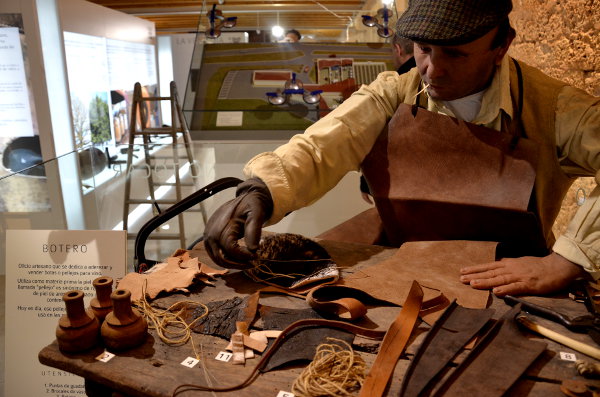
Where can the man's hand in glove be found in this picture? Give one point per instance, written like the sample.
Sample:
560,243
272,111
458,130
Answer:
241,217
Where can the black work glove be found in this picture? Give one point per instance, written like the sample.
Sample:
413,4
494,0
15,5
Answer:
241,217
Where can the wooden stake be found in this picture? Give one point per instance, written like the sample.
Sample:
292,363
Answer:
562,339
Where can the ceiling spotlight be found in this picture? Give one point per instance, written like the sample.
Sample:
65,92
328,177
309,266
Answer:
382,29
218,21
277,31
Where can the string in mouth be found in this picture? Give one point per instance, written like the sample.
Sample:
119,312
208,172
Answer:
422,89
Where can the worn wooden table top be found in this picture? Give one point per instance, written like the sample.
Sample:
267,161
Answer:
154,368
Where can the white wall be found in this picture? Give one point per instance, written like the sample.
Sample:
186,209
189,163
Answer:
182,48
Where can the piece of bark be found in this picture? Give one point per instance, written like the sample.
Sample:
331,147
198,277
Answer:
222,315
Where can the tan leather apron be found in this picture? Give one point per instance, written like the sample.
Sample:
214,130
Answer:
434,177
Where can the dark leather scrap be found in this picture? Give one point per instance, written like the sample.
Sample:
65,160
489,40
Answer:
495,363
302,343
451,332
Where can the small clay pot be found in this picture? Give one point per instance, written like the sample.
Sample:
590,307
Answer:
123,328
101,304
78,330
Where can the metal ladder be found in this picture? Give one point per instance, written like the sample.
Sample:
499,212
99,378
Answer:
149,164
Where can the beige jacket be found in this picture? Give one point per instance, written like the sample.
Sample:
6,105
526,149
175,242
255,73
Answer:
565,121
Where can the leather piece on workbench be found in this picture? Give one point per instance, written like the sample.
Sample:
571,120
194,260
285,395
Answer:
176,274
435,265
393,344
495,363
302,343
456,327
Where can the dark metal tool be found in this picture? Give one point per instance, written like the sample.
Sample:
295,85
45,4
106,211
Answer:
588,324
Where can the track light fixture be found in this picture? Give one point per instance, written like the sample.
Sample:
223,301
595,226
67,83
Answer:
218,21
382,30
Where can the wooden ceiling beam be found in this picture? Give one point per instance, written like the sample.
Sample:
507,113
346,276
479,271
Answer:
328,17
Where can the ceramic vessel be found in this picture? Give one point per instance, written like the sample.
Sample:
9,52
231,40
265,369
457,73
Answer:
78,329
101,304
124,327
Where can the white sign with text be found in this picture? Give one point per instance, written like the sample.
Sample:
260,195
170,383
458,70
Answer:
15,109
42,265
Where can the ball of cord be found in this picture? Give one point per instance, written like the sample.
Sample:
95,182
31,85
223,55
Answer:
335,371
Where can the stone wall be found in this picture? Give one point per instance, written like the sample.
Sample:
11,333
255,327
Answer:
562,38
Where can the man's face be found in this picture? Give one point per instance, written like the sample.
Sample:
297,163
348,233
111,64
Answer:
290,38
454,72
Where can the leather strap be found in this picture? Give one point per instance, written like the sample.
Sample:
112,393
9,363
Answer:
351,303
272,289
394,343
344,302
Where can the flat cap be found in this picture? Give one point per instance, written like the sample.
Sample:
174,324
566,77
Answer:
451,22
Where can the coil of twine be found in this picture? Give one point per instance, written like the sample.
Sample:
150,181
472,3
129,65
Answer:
170,327
335,371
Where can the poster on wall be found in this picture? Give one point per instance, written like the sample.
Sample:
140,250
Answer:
102,73
20,150
128,63
16,106
88,85
41,266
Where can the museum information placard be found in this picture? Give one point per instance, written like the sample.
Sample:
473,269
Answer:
42,265
15,110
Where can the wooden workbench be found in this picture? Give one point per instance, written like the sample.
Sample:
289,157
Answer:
154,368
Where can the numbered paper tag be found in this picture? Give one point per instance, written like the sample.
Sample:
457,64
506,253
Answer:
224,356
190,362
567,356
285,394
105,357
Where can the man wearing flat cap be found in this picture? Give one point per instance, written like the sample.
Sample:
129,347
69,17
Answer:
469,145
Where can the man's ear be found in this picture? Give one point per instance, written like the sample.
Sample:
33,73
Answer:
504,49
397,49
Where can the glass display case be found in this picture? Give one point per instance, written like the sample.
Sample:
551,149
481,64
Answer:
273,90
